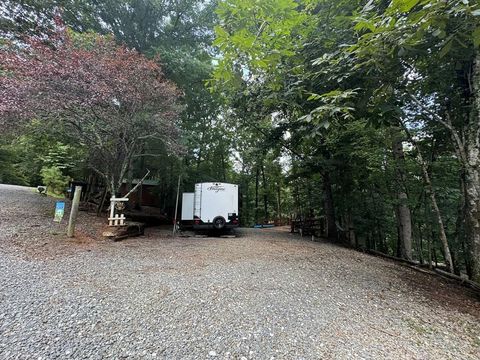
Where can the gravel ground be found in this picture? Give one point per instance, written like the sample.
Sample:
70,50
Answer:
266,294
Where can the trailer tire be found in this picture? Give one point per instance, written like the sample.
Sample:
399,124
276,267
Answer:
219,222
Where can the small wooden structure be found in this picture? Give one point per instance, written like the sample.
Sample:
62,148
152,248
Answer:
146,194
309,226
118,204
116,218
118,227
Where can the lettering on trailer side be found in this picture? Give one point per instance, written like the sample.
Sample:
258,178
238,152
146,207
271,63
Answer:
216,188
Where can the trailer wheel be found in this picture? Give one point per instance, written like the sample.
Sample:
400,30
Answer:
219,222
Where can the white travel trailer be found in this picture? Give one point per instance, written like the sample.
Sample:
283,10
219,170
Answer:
213,205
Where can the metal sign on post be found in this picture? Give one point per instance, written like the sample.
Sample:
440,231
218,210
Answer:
59,211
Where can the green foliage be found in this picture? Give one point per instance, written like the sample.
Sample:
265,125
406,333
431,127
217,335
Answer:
39,146
53,178
9,173
255,38
328,96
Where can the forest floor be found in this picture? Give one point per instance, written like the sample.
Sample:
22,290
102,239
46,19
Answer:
265,294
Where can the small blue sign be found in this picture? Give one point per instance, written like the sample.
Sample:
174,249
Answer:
59,211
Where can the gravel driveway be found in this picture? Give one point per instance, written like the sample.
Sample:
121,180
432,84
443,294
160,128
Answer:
266,294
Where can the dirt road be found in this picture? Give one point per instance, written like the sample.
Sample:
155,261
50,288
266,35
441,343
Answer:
266,294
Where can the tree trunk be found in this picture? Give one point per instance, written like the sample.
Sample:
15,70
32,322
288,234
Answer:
245,213
420,244
434,250
224,167
472,178
379,212
472,187
140,190
433,199
279,210
350,229
329,207
298,202
265,195
257,181
403,214
201,144
311,205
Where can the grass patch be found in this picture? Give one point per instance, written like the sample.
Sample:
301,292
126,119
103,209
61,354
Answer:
55,195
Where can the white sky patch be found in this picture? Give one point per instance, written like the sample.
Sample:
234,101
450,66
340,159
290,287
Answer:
236,160
286,163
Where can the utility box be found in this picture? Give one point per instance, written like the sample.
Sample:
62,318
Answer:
214,206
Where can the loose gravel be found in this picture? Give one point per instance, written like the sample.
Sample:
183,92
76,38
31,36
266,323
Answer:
264,295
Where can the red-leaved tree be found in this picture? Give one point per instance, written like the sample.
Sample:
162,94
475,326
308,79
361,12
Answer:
109,98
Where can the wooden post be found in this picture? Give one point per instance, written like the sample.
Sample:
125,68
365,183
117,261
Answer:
74,211
176,207
112,211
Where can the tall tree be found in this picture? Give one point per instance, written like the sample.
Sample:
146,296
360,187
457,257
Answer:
403,213
434,53
107,97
